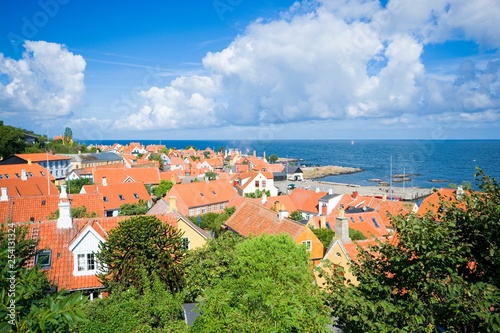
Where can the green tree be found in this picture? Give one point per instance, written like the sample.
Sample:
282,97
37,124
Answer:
157,157
210,175
152,308
162,189
205,267
68,136
273,158
213,221
142,242
326,235
269,288
221,149
11,140
258,193
75,185
296,215
441,274
28,302
76,212
139,208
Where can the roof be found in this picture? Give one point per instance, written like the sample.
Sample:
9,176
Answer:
115,195
39,208
251,219
41,157
306,200
198,194
431,203
119,175
33,186
8,171
276,203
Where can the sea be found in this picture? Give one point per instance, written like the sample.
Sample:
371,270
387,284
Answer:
417,163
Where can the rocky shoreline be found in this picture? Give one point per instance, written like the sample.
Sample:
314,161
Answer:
328,170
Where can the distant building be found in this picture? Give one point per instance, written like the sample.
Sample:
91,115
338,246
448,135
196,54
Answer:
58,165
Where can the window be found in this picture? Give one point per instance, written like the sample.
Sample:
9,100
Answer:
209,208
30,174
352,219
121,197
222,206
185,243
7,176
18,175
43,202
256,183
215,208
375,223
361,219
191,211
263,183
42,173
202,194
1,177
43,258
105,199
136,195
203,210
198,211
86,262
308,244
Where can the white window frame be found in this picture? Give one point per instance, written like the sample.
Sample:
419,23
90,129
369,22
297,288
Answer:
308,244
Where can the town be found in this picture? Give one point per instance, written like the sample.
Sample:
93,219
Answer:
70,205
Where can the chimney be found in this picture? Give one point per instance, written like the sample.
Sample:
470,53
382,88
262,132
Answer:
264,155
4,196
64,221
172,203
317,190
354,194
460,192
330,191
23,175
282,214
384,197
322,221
342,227
264,199
254,153
104,181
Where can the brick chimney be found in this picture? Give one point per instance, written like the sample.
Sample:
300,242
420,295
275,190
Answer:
64,221
172,203
322,221
342,227
4,196
354,194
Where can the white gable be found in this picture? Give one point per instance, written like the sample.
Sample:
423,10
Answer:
87,241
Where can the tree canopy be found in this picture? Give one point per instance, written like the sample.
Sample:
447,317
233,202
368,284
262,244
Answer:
162,189
11,140
268,288
441,275
142,242
139,208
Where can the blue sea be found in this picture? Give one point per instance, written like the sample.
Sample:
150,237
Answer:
449,161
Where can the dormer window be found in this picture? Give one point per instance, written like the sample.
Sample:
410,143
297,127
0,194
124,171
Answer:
42,173
1,177
375,223
86,262
7,176
121,197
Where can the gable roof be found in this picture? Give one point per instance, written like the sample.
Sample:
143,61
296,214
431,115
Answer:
431,203
149,175
306,200
251,219
41,157
116,195
198,194
12,171
34,186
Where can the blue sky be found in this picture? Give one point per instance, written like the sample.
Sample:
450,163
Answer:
236,69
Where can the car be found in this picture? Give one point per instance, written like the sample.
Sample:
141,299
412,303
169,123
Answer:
291,186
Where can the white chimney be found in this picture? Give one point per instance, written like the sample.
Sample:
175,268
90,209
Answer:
104,181
64,221
264,199
342,228
317,190
4,196
282,214
330,191
23,175
63,194
460,191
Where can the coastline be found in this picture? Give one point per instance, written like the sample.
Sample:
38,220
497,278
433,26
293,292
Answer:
327,170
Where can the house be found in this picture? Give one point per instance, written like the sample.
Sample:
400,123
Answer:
149,175
251,181
251,219
193,236
26,187
87,173
116,195
192,199
307,201
89,160
24,171
432,203
294,173
58,165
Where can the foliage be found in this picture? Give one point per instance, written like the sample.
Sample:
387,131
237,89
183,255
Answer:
356,235
68,136
189,147
157,157
141,242
75,185
213,221
258,193
11,140
154,309
205,267
76,212
210,175
326,235
32,305
441,274
273,158
206,154
162,189
268,288
296,215
139,208
221,149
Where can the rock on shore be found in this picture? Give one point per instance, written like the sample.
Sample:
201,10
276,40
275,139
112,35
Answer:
328,170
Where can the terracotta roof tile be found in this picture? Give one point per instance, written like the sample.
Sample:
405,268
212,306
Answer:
121,175
306,200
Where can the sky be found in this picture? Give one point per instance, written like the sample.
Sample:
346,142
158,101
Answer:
251,70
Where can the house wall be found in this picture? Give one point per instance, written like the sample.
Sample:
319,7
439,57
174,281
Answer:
269,185
337,256
317,249
195,239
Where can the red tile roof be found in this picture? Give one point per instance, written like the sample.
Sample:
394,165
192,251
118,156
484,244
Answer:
42,157
116,195
32,186
121,175
431,203
11,171
306,200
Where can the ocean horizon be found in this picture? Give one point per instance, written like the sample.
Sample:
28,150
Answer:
425,163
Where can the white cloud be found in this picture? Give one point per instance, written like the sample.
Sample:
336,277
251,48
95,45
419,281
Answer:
48,82
333,60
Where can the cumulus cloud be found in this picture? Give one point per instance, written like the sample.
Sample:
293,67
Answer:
48,82
334,60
